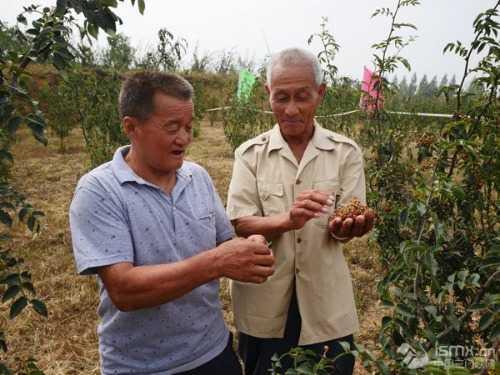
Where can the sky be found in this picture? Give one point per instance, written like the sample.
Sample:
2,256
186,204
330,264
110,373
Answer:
253,28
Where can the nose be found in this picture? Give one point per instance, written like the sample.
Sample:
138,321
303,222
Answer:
291,109
183,137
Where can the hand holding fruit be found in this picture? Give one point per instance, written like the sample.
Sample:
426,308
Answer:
352,220
309,204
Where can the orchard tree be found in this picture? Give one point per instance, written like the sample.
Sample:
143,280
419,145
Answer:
42,35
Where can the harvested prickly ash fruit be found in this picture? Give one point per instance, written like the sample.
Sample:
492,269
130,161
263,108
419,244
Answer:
350,210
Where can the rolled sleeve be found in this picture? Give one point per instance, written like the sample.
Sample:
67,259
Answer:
100,234
242,197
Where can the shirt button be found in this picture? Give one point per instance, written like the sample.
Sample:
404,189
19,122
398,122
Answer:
298,182
299,240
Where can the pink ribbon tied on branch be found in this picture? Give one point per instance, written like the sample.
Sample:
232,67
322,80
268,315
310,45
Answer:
371,92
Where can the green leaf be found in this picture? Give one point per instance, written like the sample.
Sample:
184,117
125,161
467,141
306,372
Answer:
17,307
22,19
454,321
141,5
6,155
486,320
345,346
5,218
14,123
39,307
12,279
405,311
456,370
477,307
11,292
3,345
435,368
4,370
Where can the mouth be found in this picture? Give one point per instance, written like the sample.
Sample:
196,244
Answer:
292,122
178,153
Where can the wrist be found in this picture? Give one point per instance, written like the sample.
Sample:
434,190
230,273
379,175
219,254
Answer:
215,261
286,223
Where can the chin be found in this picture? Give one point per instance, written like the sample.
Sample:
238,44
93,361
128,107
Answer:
294,129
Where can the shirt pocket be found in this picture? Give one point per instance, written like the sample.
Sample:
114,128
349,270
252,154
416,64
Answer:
205,227
272,197
331,187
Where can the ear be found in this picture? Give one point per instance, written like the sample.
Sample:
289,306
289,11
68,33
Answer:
322,91
129,125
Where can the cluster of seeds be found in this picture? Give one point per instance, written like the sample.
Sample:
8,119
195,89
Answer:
426,140
351,210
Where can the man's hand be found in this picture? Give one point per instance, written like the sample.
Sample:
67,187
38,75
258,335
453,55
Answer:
349,228
247,260
308,205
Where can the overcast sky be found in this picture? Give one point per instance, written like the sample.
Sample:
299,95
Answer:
251,27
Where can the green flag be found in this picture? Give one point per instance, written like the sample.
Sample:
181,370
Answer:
245,83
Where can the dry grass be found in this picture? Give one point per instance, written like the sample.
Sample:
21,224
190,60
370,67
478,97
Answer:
66,342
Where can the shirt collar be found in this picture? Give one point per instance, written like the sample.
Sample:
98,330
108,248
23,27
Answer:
320,139
124,173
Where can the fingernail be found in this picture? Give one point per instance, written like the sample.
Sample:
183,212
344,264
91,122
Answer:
324,209
332,197
329,202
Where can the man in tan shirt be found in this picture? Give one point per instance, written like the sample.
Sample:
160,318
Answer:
285,185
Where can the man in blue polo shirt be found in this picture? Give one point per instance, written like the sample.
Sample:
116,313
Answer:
154,230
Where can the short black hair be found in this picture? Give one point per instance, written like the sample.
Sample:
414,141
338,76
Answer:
136,94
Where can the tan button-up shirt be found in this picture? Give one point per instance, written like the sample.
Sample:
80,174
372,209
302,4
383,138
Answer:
266,181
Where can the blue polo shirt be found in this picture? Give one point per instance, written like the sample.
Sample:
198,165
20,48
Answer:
116,216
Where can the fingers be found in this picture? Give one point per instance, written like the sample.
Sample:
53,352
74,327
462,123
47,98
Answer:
358,228
335,225
260,248
369,220
261,271
258,239
311,205
264,260
316,196
345,229
304,212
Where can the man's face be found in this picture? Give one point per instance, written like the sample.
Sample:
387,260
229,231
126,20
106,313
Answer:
294,97
161,140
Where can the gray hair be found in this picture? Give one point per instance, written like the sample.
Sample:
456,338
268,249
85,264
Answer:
136,94
295,56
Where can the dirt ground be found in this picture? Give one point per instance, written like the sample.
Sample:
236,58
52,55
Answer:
66,342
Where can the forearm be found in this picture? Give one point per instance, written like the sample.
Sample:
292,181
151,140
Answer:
268,226
136,287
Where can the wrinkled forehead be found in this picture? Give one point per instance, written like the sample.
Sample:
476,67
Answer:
292,76
167,103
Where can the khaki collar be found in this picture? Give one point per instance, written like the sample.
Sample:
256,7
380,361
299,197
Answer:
320,139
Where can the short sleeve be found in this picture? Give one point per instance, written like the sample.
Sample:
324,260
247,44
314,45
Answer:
99,230
223,227
242,199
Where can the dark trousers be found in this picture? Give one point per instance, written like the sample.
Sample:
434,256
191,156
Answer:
256,352
226,363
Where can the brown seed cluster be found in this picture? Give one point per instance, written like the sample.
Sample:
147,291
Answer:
426,140
351,210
